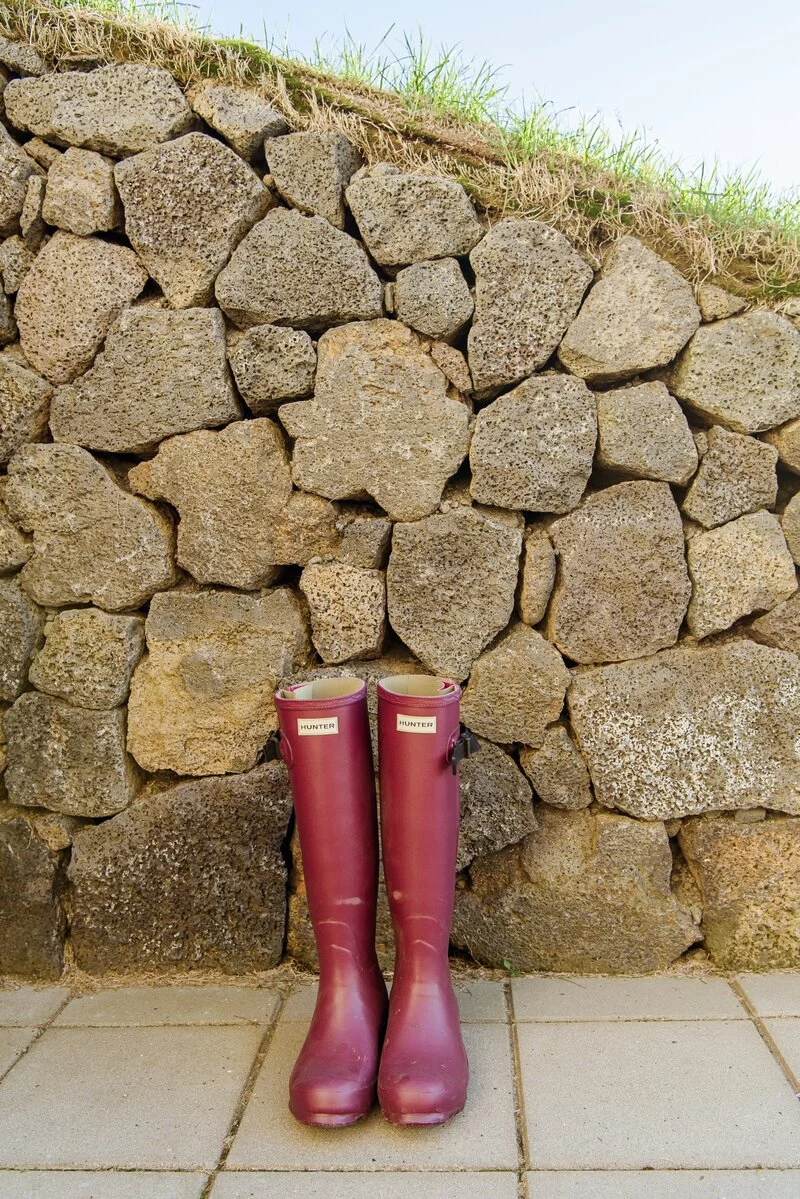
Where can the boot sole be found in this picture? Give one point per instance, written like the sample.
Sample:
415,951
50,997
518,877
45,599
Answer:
420,1119
330,1119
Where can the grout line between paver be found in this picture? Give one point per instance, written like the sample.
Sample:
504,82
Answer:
519,1096
39,1032
765,1034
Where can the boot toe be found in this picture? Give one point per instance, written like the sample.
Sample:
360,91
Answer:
332,1101
427,1097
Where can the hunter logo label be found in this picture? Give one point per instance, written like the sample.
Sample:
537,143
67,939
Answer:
415,724
324,726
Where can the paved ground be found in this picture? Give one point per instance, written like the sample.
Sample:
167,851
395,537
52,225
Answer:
581,1088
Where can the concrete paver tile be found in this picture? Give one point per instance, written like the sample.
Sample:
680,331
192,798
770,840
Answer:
786,1031
657,998
665,1184
776,994
23,1006
480,1001
340,1185
141,1006
82,1184
13,1043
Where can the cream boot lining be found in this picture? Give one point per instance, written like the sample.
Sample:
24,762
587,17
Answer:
324,689
422,685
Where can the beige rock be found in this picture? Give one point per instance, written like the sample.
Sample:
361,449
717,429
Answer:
16,168
691,729
433,298
15,550
533,447
24,406
201,700
92,541
160,373
453,363
15,262
32,917
8,326
297,270
642,432
187,205
21,58
496,804
622,587
117,110
715,303
529,283
347,605
736,476
638,315
88,657
188,878
411,218
790,523
748,877
451,583
81,195
238,114
781,626
516,688
20,632
742,567
239,518
538,574
557,770
69,298
365,537
743,373
41,152
272,365
787,442
312,169
402,446
31,221
67,759
587,893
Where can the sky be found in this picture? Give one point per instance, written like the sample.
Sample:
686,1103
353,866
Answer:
706,79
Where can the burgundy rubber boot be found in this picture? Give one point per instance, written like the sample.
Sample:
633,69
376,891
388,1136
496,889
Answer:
325,742
424,1069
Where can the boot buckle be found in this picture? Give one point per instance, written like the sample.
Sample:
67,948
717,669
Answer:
465,746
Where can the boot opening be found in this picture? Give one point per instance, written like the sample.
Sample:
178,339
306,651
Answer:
323,689
422,685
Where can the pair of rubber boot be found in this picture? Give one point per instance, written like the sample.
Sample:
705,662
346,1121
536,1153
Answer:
410,1048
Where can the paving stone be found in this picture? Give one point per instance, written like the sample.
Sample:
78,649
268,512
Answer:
271,365
441,1184
21,627
139,1007
631,999
538,574
81,195
88,657
17,169
664,1184
636,1095
736,476
529,283
557,770
786,1032
433,298
642,432
24,406
28,1007
32,921
772,994
154,1098
13,1043
187,204
311,170
77,1184
347,606
239,114
480,1001
481,1137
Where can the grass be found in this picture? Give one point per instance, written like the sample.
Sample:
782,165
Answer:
434,110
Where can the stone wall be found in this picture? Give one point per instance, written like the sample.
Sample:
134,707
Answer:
269,412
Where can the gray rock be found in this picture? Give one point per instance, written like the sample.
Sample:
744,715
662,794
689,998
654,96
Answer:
238,114
70,297
92,541
15,550
21,58
622,586
781,626
642,432
496,804
347,605
365,537
787,442
557,770
529,283
638,315
24,407
15,262
88,657
160,373
451,583
715,303
32,919
692,729
433,298
16,168
312,169
20,632
8,326
533,448
297,270
81,195
736,476
538,574
272,365
187,205
188,878
790,524
117,110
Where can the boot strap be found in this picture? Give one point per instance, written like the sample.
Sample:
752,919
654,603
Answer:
464,746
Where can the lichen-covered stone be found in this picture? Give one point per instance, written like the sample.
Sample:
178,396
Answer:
238,114
187,204
622,586
201,700
715,303
451,582
588,892
15,550
538,574
88,657
24,406
69,298
21,58
347,605
743,373
402,446
533,448
406,218
692,729
16,168
736,476
749,878
188,878
516,688
557,770
787,442
118,110
790,524
20,631
81,195
160,373
741,567
642,432
433,298
365,537
15,262
637,316
32,920
92,541
239,517
298,270
272,365
67,759
781,626
311,170
496,804
529,282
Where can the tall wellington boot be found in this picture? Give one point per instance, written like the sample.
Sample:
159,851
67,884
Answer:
325,742
424,1069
